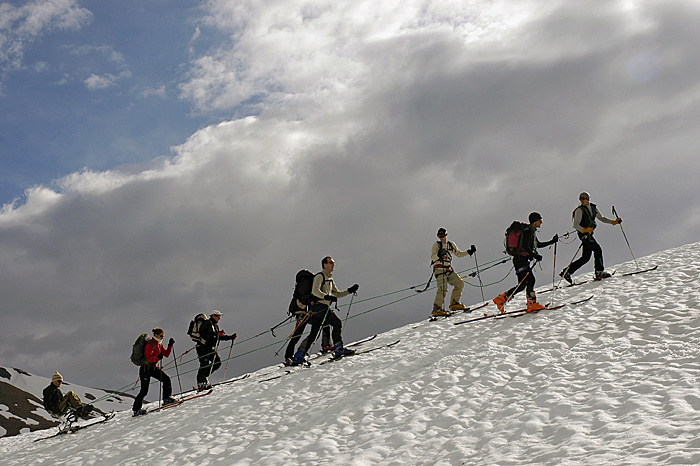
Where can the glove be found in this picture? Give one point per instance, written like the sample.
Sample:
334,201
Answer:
537,257
555,238
228,337
160,356
330,298
353,288
472,250
171,342
588,231
221,334
617,221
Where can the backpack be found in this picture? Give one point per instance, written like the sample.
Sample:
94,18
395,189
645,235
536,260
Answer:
302,290
513,241
138,350
195,325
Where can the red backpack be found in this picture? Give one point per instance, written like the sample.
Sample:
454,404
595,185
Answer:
513,241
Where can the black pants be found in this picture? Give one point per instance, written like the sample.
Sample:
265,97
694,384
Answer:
301,322
322,315
589,246
526,277
145,373
209,361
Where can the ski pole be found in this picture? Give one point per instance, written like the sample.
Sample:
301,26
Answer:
296,327
432,272
554,271
481,284
213,358
229,357
566,270
177,371
160,383
348,313
623,234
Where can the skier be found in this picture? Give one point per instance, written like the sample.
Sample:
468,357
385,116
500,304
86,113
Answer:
154,352
209,360
326,292
58,404
441,260
523,270
584,217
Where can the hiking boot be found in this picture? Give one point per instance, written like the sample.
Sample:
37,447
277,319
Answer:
203,386
600,274
83,411
533,305
457,307
439,312
339,351
169,400
140,412
299,358
500,302
327,349
567,276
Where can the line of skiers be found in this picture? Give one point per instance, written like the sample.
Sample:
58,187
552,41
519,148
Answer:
524,250
314,294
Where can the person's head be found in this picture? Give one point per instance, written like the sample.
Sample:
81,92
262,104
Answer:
158,333
442,234
57,379
328,264
535,219
584,198
216,315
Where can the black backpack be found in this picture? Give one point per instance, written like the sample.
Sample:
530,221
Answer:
513,241
193,329
138,350
302,290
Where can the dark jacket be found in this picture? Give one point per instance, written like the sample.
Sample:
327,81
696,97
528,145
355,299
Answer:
210,332
52,398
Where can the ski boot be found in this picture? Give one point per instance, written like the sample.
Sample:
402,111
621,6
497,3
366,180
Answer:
299,358
566,276
533,305
500,302
83,411
457,307
339,351
327,349
202,386
601,274
169,400
439,311
140,412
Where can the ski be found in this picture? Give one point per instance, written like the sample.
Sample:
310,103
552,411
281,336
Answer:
180,401
453,313
70,429
356,343
289,370
225,382
523,312
388,345
640,271
520,312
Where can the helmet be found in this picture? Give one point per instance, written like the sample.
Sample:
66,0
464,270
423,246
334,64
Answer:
535,216
441,231
584,195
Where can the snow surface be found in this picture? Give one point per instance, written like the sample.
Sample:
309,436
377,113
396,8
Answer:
613,381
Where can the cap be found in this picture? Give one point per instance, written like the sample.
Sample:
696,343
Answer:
584,195
441,231
535,216
57,377
216,313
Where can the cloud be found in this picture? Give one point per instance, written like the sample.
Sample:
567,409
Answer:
97,82
364,128
20,26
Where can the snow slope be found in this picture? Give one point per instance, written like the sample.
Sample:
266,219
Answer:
21,405
613,381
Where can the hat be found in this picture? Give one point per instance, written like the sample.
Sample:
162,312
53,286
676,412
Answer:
216,313
584,195
441,231
57,377
535,216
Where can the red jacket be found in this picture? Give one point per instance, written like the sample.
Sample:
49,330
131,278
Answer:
154,349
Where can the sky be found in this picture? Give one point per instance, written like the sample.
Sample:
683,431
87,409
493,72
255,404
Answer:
166,158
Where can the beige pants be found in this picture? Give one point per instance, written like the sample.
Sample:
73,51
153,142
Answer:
446,277
70,399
